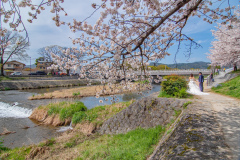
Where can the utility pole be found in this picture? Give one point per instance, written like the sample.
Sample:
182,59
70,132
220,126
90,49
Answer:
30,65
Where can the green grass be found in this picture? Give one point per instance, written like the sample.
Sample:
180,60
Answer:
48,143
136,144
2,147
230,88
99,114
64,109
5,78
76,94
16,153
186,104
236,72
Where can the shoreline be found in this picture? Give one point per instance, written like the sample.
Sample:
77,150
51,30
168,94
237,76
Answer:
87,91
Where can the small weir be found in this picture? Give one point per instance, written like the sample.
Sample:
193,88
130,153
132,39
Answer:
65,128
13,111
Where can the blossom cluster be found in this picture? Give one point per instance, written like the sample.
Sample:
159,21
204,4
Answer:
127,35
225,48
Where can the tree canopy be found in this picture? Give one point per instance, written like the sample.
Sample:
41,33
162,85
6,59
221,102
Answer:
128,33
12,45
225,48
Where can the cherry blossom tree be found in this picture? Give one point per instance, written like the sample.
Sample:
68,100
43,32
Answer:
226,46
65,58
128,33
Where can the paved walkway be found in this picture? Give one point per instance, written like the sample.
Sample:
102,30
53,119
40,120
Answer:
227,112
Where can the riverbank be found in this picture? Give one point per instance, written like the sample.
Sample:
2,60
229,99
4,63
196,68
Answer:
16,105
45,83
192,129
96,143
89,91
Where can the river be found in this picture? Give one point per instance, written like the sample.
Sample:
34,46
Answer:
15,108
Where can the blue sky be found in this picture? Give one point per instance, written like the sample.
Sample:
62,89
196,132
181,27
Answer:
43,32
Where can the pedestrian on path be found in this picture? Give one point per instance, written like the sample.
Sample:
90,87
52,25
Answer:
211,77
201,80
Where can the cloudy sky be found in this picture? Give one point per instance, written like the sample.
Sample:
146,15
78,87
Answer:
43,32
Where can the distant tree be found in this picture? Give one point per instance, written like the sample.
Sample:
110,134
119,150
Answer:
217,67
66,59
39,59
226,48
45,52
50,54
159,67
12,44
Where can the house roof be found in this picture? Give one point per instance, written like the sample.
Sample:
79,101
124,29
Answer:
14,62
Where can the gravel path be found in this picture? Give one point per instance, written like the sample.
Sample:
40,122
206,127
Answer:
227,114
227,110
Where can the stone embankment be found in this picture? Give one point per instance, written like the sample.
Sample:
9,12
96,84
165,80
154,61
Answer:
146,113
36,84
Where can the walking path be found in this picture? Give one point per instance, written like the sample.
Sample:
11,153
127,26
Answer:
227,111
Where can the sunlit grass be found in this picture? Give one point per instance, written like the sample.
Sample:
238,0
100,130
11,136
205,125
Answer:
230,88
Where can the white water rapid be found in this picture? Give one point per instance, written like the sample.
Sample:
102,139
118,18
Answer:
13,111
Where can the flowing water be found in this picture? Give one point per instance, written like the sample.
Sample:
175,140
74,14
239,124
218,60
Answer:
15,108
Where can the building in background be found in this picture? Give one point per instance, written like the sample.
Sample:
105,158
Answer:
14,66
43,65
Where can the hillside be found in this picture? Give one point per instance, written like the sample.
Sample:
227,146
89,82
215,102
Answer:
195,65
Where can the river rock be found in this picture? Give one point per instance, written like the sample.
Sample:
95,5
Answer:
147,112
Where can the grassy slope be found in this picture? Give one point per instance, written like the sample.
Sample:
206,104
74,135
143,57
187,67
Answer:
230,88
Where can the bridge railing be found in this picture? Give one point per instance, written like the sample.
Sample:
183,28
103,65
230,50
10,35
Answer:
187,71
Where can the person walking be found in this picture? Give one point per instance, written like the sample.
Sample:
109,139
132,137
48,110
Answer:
201,80
211,77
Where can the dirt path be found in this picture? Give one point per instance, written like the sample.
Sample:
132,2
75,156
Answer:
227,111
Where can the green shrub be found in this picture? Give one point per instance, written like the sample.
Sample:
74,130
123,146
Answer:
164,94
175,86
182,93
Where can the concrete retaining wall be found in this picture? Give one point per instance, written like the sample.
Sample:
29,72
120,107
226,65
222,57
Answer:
35,84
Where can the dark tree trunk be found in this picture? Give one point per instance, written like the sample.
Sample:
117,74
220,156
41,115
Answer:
1,65
68,70
235,67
